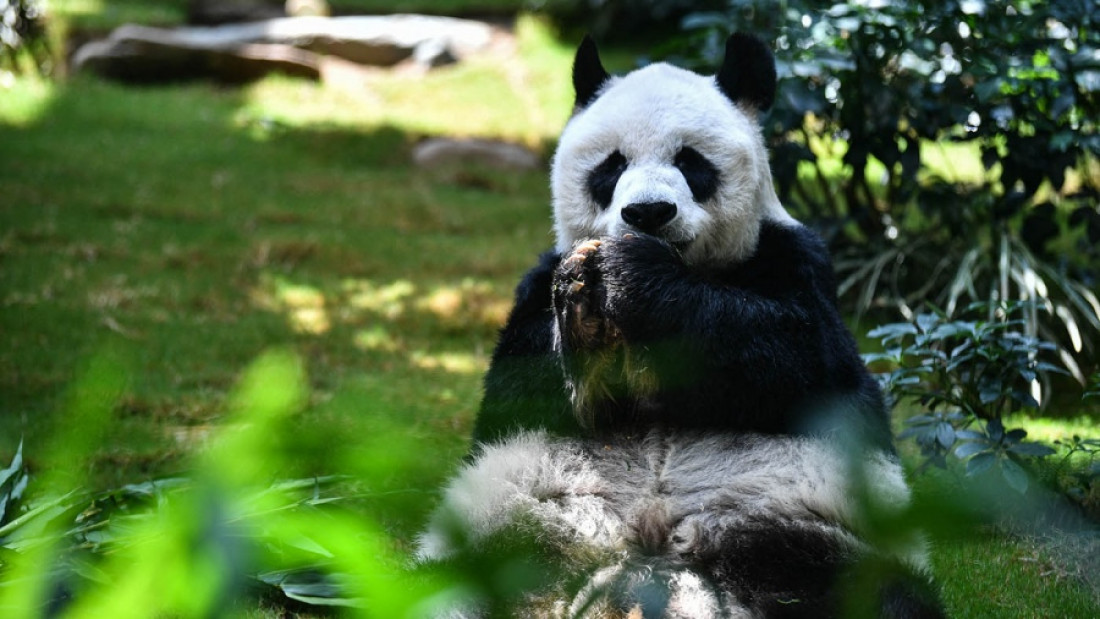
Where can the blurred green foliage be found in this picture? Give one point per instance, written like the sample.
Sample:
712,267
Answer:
244,533
233,529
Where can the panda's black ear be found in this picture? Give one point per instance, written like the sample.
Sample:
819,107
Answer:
588,72
747,75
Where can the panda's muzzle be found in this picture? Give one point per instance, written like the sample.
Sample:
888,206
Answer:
648,217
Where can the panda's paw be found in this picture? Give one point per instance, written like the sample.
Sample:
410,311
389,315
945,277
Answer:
579,298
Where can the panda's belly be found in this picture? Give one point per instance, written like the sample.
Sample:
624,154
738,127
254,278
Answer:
686,495
669,493
723,524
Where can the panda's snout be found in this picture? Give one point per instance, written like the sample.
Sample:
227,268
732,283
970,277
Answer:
648,217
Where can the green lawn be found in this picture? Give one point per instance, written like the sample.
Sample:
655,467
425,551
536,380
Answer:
186,230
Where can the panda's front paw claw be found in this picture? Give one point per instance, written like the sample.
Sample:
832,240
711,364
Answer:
578,298
582,252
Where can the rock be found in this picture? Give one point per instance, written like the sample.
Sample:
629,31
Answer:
373,40
443,152
146,55
138,53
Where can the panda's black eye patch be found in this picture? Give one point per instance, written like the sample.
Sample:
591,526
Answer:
699,172
603,178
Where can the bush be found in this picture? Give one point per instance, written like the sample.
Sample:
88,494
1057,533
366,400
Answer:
965,376
882,104
620,19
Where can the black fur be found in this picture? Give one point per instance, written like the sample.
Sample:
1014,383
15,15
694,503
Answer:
524,387
701,175
588,73
748,72
603,178
758,346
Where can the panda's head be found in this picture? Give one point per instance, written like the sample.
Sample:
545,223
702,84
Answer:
668,152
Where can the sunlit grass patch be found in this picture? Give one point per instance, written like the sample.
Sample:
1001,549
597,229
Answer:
25,100
1052,429
155,218
981,570
105,14
521,94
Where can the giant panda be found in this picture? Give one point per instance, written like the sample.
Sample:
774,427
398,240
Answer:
680,291
675,410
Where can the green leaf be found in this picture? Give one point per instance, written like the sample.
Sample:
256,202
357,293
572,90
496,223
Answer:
15,467
989,393
13,481
1015,475
872,357
916,420
966,450
927,322
945,435
995,429
309,587
912,431
1036,450
892,331
980,463
36,519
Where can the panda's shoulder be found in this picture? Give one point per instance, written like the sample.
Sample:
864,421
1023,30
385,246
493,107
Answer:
789,249
790,240
536,282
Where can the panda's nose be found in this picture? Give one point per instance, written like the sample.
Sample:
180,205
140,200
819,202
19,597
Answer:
648,216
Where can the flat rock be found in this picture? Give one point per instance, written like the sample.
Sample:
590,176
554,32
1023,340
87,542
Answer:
229,52
444,152
143,55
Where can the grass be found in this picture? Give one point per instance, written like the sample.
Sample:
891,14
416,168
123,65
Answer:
986,569
189,229
196,226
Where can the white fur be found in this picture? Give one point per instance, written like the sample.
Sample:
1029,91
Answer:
648,115
593,496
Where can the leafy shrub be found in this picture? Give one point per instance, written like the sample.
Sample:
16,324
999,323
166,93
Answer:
880,105
965,376
620,19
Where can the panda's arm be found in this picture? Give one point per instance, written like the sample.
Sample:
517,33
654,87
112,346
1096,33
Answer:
652,294
745,347
524,387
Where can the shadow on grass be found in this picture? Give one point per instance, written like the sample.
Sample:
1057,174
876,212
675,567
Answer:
178,225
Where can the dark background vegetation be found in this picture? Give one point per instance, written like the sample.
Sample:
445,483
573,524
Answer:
947,150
